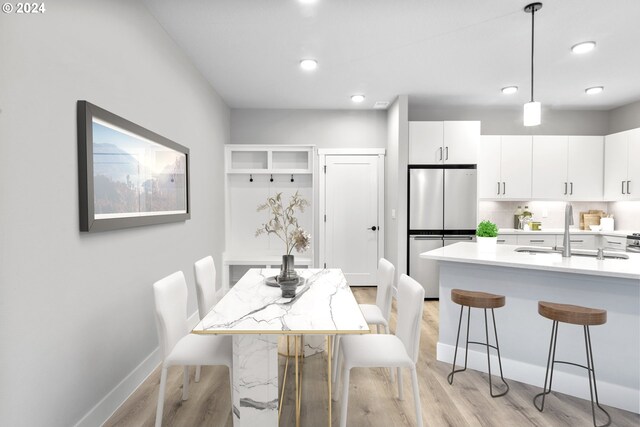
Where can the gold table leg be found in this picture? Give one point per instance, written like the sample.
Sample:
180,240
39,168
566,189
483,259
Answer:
329,374
284,380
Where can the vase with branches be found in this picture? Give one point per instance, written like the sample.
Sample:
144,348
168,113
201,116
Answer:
283,223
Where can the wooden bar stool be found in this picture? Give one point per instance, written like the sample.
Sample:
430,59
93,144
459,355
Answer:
485,301
575,315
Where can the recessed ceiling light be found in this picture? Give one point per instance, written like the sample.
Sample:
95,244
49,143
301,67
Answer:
509,90
357,98
583,47
594,90
308,64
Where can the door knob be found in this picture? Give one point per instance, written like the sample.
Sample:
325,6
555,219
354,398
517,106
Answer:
374,228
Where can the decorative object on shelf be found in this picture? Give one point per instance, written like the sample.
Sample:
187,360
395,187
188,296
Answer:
516,218
525,219
284,225
128,175
532,109
487,234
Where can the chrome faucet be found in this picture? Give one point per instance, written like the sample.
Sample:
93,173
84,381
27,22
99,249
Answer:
568,220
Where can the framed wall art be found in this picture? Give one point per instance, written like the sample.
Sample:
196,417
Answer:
128,175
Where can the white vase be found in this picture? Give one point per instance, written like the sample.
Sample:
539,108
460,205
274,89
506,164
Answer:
487,243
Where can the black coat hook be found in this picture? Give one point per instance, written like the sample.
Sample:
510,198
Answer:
250,178
292,178
271,178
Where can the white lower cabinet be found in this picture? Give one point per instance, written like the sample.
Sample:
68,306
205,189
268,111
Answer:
507,239
613,242
589,241
537,240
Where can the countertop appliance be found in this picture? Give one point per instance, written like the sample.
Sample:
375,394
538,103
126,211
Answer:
633,243
442,211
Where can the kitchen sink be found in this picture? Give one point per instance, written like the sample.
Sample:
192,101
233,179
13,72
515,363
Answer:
574,252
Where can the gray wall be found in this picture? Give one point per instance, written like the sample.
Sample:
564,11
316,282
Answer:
497,121
76,310
624,118
323,128
395,233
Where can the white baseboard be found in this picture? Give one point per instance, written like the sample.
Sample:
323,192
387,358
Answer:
109,404
563,382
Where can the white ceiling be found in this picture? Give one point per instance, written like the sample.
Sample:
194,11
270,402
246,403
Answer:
439,52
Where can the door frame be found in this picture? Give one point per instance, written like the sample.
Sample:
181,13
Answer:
322,162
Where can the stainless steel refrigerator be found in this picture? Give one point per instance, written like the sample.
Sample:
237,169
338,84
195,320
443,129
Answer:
442,211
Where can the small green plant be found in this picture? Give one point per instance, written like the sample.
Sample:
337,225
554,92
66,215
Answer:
487,229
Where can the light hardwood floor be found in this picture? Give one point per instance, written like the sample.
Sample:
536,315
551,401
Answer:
372,397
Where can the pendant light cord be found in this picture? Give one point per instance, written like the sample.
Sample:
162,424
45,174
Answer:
533,13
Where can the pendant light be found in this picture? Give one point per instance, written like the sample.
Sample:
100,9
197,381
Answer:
532,109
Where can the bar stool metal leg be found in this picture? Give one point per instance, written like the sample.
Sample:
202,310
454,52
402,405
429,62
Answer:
455,350
592,372
497,347
550,362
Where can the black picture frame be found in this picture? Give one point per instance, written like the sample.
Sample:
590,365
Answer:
141,198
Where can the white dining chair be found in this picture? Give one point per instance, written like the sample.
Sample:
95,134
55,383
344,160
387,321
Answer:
208,291
179,347
377,314
387,351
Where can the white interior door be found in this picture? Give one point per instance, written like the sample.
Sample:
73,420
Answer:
352,224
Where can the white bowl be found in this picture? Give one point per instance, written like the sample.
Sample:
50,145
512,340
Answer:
595,227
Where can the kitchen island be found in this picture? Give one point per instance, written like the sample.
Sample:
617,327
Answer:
526,278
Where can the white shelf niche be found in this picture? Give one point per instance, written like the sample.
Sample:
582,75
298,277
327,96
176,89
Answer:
272,159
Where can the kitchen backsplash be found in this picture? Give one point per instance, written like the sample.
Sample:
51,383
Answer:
551,214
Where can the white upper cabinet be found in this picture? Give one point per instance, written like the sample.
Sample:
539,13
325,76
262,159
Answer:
461,141
621,175
585,167
516,167
489,182
549,169
434,143
633,178
567,168
504,167
425,143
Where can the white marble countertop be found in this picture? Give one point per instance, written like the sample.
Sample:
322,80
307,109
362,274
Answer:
619,233
323,305
505,256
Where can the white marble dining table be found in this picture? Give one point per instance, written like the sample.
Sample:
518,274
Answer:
256,315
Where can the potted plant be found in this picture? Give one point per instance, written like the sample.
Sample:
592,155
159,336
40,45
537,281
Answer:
487,234
284,224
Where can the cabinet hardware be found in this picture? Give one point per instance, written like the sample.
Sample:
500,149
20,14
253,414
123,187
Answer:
498,188
501,240
623,188
536,241
565,188
577,241
504,188
446,153
571,190
613,243
628,187
374,228
440,149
